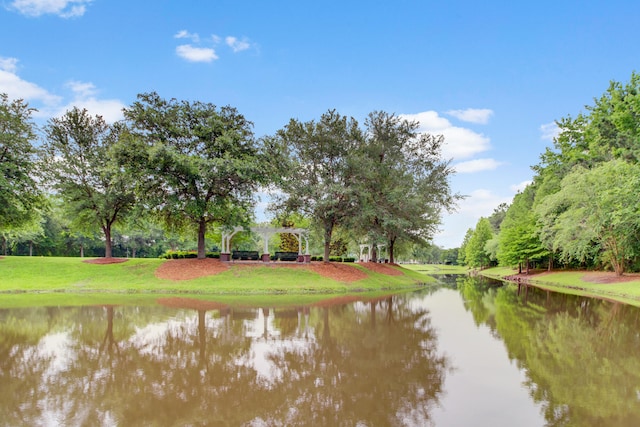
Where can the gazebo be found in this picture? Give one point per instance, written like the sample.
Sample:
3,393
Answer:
266,233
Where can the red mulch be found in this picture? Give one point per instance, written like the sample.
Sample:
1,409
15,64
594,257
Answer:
338,271
190,268
185,269
388,269
105,260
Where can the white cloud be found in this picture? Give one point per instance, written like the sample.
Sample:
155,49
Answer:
480,203
459,143
84,97
237,45
81,89
196,54
9,65
477,165
184,34
516,188
62,8
17,88
50,105
549,131
472,115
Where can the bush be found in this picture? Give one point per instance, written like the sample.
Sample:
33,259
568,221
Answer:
316,258
335,258
348,259
187,254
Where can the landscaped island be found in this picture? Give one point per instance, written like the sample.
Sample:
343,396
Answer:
38,275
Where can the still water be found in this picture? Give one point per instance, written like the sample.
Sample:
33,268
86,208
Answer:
467,353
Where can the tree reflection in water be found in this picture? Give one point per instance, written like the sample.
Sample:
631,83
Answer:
370,362
581,355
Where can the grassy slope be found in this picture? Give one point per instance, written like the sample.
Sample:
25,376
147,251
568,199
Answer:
572,282
74,280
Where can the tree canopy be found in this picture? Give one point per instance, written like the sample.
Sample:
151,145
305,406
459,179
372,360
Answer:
78,159
20,193
196,164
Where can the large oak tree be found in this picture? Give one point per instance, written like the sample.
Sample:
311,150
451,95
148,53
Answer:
196,164
78,158
319,179
19,192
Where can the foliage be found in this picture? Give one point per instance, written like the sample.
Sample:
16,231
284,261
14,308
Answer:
518,240
20,195
403,182
318,180
197,165
595,214
78,161
475,252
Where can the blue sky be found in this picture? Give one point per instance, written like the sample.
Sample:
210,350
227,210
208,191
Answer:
491,76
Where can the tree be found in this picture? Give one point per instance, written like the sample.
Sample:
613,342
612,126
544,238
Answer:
462,252
476,255
319,177
78,158
197,165
596,213
403,181
19,192
518,240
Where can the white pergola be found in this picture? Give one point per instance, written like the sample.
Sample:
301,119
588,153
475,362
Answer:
368,247
266,233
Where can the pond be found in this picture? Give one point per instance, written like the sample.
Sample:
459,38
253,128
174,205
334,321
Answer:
468,352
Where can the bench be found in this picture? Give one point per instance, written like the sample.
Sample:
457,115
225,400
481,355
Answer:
245,255
286,256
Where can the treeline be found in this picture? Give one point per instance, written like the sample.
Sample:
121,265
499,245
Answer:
175,173
582,208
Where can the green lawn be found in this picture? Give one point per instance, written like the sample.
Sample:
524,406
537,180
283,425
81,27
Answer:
572,282
47,275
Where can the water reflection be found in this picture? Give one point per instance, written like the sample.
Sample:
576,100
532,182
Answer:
581,356
473,352
186,362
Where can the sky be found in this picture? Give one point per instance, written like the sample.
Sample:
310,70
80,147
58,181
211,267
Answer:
491,76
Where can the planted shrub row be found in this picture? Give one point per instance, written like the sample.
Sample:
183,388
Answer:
187,254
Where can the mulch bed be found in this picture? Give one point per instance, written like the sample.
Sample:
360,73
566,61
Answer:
191,268
185,269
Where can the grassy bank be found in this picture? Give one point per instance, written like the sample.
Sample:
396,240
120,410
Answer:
36,275
586,283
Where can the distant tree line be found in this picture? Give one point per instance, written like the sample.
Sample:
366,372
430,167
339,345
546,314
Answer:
174,173
582,208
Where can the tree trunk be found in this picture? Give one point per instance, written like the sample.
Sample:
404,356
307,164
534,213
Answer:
30,248
392,244
550,266
202,227
133,252
374,254
328,231
81,250
107,241
527,261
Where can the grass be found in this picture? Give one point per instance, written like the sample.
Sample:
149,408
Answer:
572,282
55,281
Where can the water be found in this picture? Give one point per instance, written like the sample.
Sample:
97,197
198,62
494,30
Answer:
470,352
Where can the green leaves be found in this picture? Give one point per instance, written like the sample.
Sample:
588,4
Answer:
596,211
19,192
197,164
